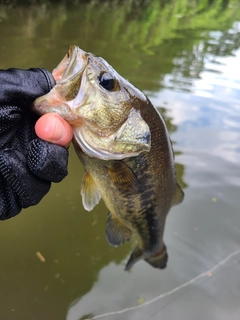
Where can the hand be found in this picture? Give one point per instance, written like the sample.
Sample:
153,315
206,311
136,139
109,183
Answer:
28,164
52,128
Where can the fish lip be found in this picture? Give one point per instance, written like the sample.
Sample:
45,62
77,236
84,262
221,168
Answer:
71,65
70,68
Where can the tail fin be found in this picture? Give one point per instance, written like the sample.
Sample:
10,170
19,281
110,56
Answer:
134,257
158,260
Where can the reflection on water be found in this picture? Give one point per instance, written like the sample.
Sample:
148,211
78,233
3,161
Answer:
186,58
142,309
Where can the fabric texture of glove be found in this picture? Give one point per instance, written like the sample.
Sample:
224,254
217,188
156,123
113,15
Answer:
28,164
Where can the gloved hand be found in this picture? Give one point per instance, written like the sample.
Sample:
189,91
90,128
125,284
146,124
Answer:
27,163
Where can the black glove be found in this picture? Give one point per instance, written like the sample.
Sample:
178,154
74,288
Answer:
27,163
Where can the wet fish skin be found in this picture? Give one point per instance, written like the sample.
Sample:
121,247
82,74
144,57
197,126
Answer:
139,192
137,182
105,124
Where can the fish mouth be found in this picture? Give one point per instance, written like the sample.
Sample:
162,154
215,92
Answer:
72,64
59,99
68,96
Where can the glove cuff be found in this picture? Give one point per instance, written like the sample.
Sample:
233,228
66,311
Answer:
49,77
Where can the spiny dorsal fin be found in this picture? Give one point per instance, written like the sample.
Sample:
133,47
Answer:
122,176
178,196
116,232
89,192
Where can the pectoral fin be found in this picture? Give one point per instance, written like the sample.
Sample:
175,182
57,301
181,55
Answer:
123,177
116,232
89,192
178,196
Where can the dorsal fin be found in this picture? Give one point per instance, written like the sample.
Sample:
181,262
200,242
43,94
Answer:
116,232
89,192
178,195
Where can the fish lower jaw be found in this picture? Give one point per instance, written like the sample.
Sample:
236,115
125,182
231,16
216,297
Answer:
103,154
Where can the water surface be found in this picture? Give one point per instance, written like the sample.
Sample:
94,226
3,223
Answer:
186,58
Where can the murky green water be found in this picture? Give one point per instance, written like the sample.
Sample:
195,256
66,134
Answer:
186,56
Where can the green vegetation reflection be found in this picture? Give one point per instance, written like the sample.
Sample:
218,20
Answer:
140,39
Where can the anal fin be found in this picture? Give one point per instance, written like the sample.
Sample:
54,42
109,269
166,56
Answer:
116,232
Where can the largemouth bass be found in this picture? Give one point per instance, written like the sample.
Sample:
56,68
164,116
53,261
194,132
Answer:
125,148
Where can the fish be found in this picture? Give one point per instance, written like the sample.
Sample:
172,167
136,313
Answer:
123,143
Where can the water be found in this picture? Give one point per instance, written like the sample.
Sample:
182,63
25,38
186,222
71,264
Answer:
186,59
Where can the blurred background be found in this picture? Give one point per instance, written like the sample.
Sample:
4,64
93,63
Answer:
185,55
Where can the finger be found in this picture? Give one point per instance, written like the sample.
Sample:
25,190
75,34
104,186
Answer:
52,128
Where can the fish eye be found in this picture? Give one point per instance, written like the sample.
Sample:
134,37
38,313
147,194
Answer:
107,81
